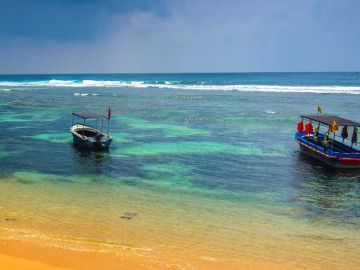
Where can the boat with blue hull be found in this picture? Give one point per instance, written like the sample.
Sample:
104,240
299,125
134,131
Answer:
89,138
326,143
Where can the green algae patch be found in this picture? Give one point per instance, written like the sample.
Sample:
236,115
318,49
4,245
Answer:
172,172
6,118
171,175
8,153
34,177
54,137
18,127
180,178
168,130
172,168
181,131
31,177
183,148
3,153
27,117
121,137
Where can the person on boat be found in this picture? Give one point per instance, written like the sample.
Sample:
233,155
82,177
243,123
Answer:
354,137
316,134
98,137
344,133
326,140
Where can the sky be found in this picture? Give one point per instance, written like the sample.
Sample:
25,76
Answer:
140,36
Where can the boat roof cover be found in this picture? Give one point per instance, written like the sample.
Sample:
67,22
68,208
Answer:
89,115
329,120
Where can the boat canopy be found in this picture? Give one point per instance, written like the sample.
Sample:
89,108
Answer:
89,115
329,120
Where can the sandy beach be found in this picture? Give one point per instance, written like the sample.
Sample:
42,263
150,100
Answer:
22,255
16,255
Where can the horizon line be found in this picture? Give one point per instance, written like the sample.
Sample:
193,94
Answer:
166,73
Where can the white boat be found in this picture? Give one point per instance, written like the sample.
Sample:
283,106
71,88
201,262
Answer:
90,138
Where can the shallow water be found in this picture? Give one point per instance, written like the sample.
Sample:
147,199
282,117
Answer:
210,174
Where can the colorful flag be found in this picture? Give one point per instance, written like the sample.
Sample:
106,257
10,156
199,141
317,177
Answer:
109,113
334,127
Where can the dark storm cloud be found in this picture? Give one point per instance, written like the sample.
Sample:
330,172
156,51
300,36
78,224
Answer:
39,36
65,19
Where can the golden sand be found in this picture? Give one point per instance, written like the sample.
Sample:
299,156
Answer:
26,256
13,263
59,226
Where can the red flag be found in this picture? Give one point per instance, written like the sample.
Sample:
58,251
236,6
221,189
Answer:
308,129
300,126
109,113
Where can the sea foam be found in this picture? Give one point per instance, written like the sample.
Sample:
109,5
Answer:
333,89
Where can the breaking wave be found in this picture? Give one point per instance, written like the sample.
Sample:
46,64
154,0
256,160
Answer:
186,86
85,94
270,112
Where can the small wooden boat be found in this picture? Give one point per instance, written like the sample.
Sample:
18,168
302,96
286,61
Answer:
328,146
90,138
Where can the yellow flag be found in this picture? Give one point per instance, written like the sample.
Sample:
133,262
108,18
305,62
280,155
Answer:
319,110
334,127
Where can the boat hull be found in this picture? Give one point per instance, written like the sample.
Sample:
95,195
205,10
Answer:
89,142
329,157
86,144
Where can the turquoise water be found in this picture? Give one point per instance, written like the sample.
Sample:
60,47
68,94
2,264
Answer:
220,138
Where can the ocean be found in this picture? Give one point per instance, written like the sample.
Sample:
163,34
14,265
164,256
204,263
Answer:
202,166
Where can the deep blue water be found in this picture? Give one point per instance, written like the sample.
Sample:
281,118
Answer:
283,79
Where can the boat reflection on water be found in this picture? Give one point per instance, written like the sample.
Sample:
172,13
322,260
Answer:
89,162
324,193
313,167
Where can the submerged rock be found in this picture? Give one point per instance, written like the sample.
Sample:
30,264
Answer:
128,215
